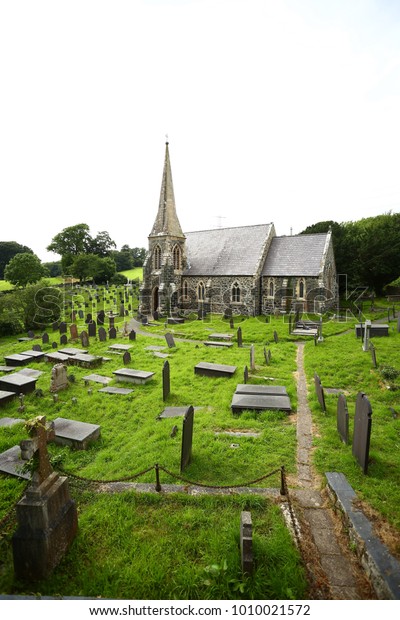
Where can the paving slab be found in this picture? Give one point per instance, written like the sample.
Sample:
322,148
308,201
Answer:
75,434
97,379
218,343
120,347
160,355
154,348
11,463
247,388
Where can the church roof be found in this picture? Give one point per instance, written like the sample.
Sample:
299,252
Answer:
299,255
166,222
226,251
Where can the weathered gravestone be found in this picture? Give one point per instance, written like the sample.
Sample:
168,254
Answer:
239,337
231,323
100,317
47,516
63,339
187,438
373,355
362,431
36,347
62,328
132,335
84,339
252,358
126,357
276,337
319,390
112,333
59,380
342,419
166,383
170,340
73,329
102,334
80,314
45,338
246,542
267,356
92,329
245,375
111,322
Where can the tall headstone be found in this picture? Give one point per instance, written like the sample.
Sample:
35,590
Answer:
246,542
63,339
62,328
170,340
59,380
45,338
319,390
245,375
267,356
126,358
239,337
342,419
187,438
166,384
362,431
252,358
92,329
100,317
46,514
84,339
367,328
276,337
102,334
373,355
73,331
132,335
112,333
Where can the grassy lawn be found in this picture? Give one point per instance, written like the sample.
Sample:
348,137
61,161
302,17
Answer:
153,529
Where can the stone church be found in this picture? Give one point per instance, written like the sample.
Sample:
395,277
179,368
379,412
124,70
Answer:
243,270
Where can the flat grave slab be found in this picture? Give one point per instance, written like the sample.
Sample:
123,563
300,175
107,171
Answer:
260,402
72,351
238,433
18,383
217,343
174,412
208,369
175,320
11,463
10,421
56,357
246,388
115,390
161,355
301,331
133,376
97,379
37,355
6,396
218,336
154,348
75,434
375,329
17,360
85,360
25,339
30,372
120,347
7,368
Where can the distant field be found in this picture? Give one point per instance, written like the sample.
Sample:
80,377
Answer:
131,274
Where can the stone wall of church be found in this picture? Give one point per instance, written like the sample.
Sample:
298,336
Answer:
221,293
288,295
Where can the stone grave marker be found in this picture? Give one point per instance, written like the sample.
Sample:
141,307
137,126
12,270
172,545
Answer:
122,310
89,317
63,339
398,323
73,329
59,379
245,375
267,356
187,438
102,334
45,338
132,335
342,419
126,357
100,317
31,334
92,329
170,340
55,326
47,516
319,390
77,435
54,345
231,323
276,337
166,380
80,314
373,355
111,321
62,328
246,542
362,431
37,348
84,339
252,358
73,316
239,337
112,333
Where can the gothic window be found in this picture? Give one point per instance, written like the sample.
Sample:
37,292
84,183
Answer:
271,288
301,289
235,292
201,291
176,257
157,257
185,290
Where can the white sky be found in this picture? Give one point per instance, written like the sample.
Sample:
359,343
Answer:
276,110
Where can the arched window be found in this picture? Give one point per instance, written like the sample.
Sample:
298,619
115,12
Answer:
301,289
157,257
176,256
185,290
235,292
271,288
201,290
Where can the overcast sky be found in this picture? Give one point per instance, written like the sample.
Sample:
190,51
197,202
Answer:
275,110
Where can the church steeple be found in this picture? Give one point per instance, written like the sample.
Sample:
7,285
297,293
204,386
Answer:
166,222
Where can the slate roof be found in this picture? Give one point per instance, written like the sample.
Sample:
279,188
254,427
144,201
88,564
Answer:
226,251
298,255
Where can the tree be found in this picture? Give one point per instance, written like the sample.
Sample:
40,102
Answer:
84,266
54,268
138,256
24,269
72,240
8,249
102,244
105,269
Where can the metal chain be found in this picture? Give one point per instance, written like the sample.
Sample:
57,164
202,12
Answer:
126,479
211,486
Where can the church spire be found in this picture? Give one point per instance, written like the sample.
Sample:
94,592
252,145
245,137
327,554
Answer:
166,222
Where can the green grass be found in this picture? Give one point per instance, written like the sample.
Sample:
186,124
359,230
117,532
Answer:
133,274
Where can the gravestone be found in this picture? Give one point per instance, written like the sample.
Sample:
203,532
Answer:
231,323
55,326
170,340
59,379
252,358
246,374
84,339
54,345
122,310
36,347
100,317
31,334
89,316
342,419
73,316
276,337
319,390
187,438
75,434
62,328
102,334
367,332
63,339
80,314
126,357
239,337
246,542
362,431
132,335
166,380
267,356
92,329
112,333
110,322
45,338
373,355
47,516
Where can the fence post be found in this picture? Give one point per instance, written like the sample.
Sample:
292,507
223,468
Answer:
158,485
283,484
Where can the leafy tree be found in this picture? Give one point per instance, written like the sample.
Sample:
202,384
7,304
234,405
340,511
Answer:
72,240
40,305
54,268
102,244
8,249
123,259
138,256
23,269
11,318
84,266
105,269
